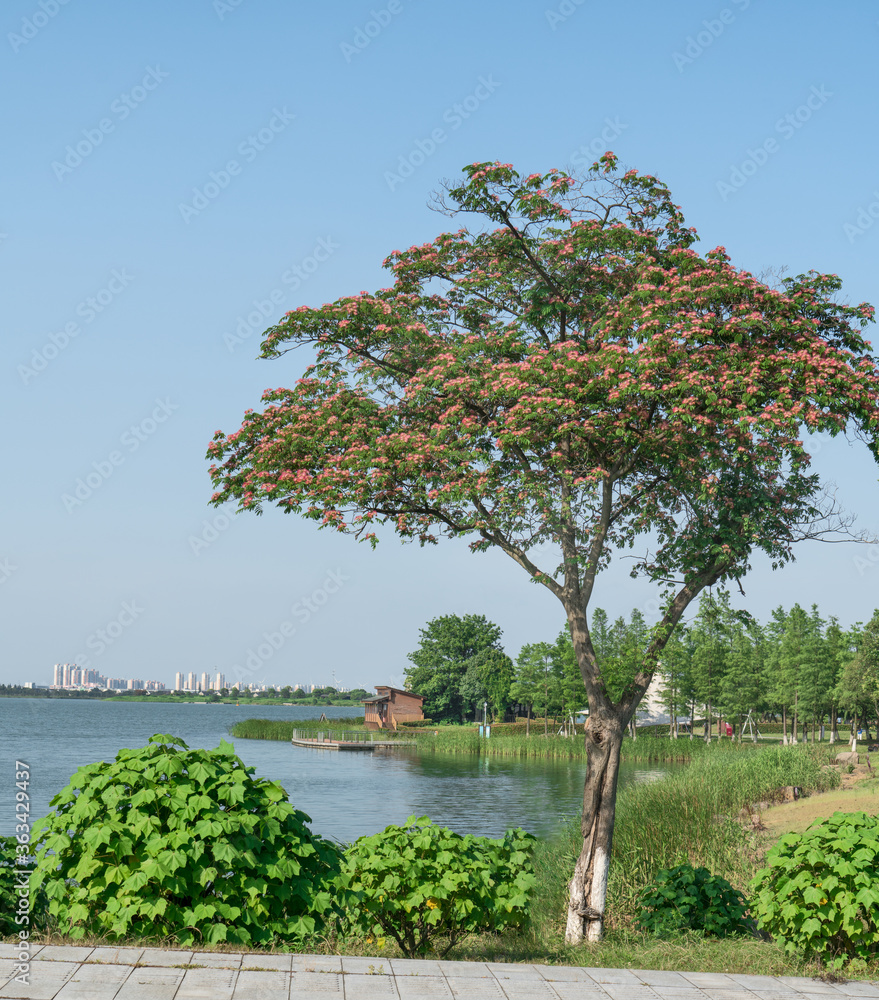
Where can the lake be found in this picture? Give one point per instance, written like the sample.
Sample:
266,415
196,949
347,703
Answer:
347,795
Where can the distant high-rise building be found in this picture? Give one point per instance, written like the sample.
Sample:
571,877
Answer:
178,681
190,684
205,681
219,681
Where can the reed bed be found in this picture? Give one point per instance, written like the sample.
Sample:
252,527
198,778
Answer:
644,748
277,729
501,743
689,815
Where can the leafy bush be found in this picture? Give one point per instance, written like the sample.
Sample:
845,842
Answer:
820,892
168,842
419,882
688,898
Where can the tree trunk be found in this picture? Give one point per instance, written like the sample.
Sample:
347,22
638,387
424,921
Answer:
784,725
587,890
794,738
528,722
834,732
855,733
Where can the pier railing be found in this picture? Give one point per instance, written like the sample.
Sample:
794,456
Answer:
347,736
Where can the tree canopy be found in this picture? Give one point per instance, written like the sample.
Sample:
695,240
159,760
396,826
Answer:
568,377
459,664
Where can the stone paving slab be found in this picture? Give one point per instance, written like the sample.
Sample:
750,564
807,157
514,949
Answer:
83,973
207,984
160,957
95,982
475,988
318,963
116,956
45,981
154,983
423,987
279,963
271,985
583,990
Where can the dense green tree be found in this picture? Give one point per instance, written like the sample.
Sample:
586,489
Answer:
712,634
535,682
496,671
743,685
676,667
857,688
449,646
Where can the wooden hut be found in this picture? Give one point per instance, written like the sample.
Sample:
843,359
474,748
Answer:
390,707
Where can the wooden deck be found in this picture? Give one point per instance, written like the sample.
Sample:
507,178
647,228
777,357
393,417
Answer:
351,744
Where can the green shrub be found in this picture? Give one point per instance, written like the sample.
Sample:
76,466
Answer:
419,882
820,892
172,843
688,898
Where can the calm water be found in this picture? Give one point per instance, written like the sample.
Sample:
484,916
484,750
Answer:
346,795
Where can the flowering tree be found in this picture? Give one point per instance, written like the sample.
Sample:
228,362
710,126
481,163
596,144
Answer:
564,377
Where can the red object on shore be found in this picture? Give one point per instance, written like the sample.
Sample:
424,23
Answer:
728,729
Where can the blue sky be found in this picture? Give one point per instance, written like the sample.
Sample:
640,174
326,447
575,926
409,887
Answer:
177,176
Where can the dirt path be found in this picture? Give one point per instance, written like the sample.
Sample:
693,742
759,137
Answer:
859,793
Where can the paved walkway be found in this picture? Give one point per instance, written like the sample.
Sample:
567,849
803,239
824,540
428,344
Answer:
153,974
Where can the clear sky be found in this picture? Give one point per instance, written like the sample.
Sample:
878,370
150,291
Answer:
179,175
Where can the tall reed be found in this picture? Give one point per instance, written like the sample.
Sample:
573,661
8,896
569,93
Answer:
689,815
277,729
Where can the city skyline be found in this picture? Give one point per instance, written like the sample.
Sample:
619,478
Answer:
70,675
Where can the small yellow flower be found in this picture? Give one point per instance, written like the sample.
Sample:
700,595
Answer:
432,904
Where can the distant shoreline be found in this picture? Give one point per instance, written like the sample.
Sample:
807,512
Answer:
176,699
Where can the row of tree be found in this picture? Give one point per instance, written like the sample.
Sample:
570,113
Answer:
797,668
